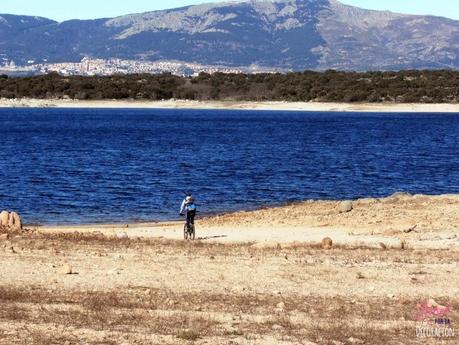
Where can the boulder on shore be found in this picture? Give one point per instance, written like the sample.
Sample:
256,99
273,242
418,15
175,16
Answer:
4,217
346,206
17,224
327,243
10,220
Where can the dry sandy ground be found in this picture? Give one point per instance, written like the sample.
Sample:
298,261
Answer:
253,278
279,106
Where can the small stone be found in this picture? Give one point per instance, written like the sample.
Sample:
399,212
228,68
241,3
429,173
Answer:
4,237
277,327
403,244
66,269
122,236
382,245
346,206
355,340
280,307
359,275
432,303
171,302
327,243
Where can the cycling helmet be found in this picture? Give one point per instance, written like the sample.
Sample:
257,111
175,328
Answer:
189,199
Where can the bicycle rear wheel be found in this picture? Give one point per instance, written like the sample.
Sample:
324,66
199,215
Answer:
185,232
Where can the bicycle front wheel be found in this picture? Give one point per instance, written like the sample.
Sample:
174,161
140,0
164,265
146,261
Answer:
192,232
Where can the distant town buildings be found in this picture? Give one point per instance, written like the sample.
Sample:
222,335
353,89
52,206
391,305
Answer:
90,67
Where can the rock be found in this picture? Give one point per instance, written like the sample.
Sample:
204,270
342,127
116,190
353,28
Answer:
280,307
382,245
16,221
346,206
66,269
327,243
122,235
359,275
403,244
355,340
171,302
432,303
277,327
4,237
4,216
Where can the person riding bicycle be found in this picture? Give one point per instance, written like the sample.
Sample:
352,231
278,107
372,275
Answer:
188,208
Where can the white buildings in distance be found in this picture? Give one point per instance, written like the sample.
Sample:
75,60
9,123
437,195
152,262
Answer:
100,67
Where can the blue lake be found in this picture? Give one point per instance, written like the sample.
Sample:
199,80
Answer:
75,166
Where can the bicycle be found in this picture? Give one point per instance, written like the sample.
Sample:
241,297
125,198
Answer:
189,231
188,228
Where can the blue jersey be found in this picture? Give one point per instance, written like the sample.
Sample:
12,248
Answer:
190,207
187,207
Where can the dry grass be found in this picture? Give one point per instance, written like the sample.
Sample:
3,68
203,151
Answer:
81,241
155,300
142,310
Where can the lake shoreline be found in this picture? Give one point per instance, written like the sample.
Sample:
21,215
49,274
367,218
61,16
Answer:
129,224
234,105
423,219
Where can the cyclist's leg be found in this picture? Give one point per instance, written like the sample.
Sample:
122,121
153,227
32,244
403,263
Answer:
189,220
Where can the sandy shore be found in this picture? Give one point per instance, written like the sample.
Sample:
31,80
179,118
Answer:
422,221
279,106
252,277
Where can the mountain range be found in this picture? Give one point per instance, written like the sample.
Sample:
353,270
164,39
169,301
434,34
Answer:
283,34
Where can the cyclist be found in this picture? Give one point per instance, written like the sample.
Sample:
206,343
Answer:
188,208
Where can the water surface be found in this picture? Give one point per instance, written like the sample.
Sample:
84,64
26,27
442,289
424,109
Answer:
119,165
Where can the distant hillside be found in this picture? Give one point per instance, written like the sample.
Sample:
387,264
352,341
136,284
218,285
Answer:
401,87
292,34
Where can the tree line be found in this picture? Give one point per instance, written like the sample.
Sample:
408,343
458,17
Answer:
330,86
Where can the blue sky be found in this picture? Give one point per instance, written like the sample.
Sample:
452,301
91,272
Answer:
85,9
